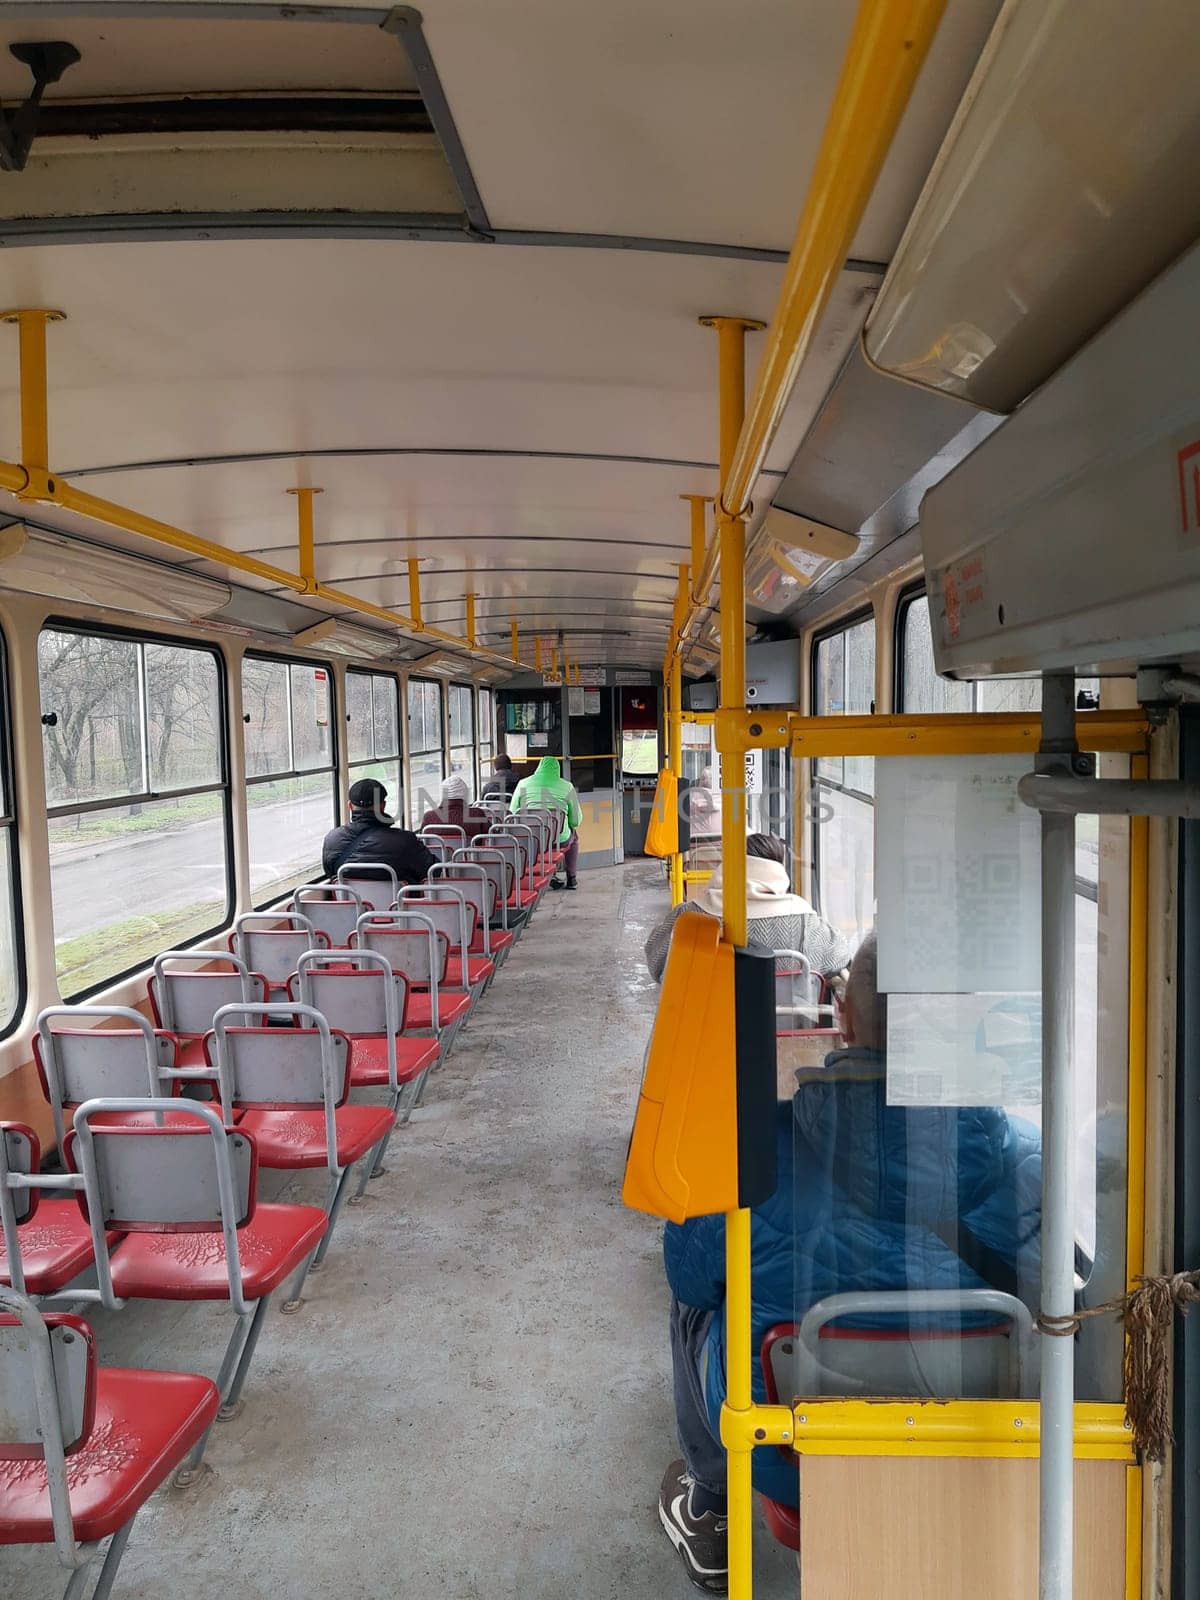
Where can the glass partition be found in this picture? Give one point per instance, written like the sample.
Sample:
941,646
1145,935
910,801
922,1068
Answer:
916,1142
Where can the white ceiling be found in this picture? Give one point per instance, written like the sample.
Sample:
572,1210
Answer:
673,120
677,119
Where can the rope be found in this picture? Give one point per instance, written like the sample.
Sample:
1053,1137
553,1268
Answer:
1148,1312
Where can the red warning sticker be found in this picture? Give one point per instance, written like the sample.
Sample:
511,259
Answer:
1187,461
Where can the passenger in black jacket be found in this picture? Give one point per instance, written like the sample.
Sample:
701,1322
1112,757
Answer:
371,835
504,781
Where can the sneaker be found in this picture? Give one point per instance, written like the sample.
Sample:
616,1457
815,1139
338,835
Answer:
557,883
572,883
702,1541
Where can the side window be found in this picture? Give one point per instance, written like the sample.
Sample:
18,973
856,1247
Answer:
426,750
373,733
843,808
462,732
287,709
134,748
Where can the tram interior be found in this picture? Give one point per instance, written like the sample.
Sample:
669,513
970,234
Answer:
780,422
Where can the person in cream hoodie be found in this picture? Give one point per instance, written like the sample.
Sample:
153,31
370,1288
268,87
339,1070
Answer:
776,918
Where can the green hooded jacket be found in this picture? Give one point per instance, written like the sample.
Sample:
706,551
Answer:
547,787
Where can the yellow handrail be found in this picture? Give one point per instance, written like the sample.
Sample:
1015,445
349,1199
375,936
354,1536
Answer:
34,481
889,44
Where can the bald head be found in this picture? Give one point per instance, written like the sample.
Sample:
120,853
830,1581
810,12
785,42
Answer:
864,1009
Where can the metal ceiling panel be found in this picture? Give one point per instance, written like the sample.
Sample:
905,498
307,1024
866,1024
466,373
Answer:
685,119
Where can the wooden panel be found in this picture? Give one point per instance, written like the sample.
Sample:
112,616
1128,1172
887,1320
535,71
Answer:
884,1528
596,829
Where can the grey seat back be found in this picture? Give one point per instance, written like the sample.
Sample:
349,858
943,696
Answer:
373,881
276,1067
188,1174
445,912
477,890
189,987
499,870
332,909
82,1062
411,943
356,991
913,1350
47,1381
272,942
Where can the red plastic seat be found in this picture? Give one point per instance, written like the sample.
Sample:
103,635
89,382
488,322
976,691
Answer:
499,938
369,1067
145,1424
478,970
192,1266
518,902
295,1137
56,1246
452,1004
783,1521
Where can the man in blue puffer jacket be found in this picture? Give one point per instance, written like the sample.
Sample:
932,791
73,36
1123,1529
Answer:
870,1197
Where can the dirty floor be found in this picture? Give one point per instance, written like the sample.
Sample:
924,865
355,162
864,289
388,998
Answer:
474,1400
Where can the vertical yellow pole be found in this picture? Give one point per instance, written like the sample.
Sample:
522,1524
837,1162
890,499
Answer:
675,760
675,714
471,620
35,425
516,642
731,336
307,537
537,653
414,592
554,661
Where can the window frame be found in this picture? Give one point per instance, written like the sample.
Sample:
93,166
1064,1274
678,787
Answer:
375,760
224,786
817,779
292,774
451,747
484,691
9,819
440,685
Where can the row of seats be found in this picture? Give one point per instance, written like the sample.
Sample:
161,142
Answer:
251,1062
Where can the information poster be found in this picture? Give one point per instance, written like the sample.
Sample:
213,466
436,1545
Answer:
575,702
516,746
957,876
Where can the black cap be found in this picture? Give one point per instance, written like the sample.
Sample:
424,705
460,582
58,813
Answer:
368,794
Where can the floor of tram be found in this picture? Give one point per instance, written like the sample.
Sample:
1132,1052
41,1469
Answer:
475,1397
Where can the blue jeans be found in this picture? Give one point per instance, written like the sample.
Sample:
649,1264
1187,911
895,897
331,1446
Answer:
702,1449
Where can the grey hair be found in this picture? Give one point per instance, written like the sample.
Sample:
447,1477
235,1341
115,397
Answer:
868,1008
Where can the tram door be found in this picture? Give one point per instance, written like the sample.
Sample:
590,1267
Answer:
591,767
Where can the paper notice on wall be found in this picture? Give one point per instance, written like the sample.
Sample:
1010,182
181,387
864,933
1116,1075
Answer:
516,746
957,876
539,741
575,702
964,1050
591,702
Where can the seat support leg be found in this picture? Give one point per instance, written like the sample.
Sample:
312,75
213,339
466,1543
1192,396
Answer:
243,1333
338,1191
231,1400
112,1560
